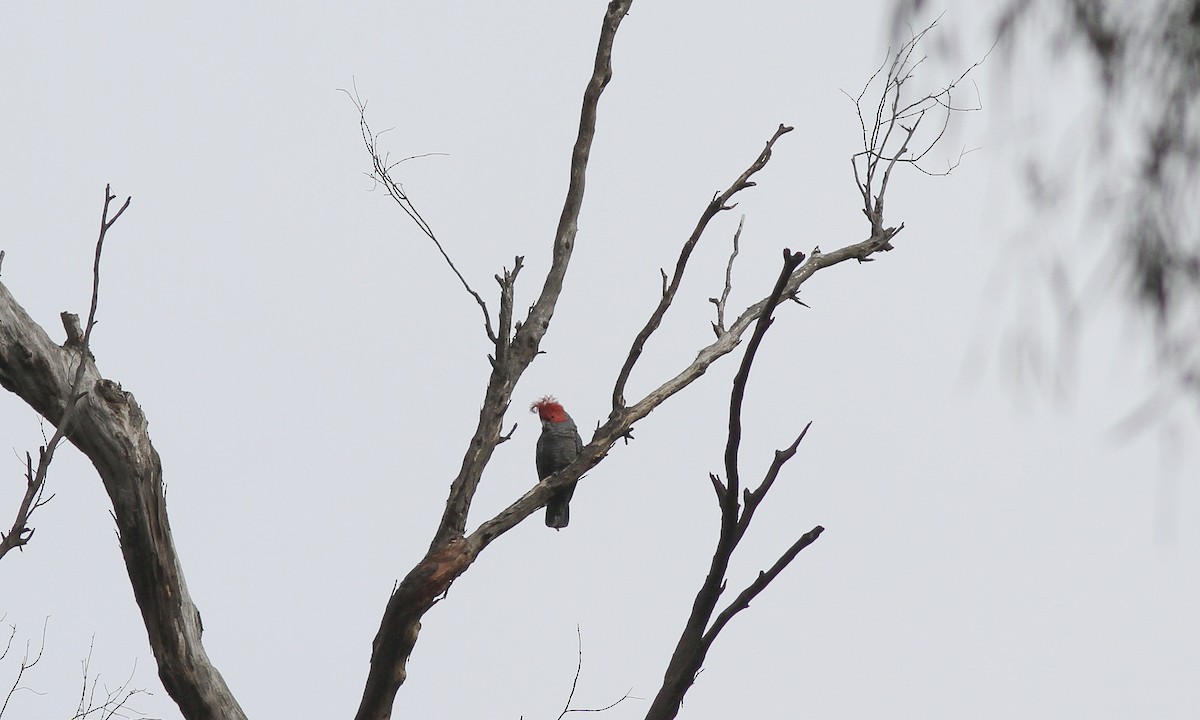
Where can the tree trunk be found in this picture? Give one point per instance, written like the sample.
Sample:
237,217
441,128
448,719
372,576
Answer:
110,429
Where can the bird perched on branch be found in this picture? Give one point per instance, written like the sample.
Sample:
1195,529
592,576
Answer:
558,445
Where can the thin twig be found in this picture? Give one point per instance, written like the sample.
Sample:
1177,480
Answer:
114,700
719,325
381,173
35,481
895,123
8,643
24,665
718,204
567,709
578,670
627,696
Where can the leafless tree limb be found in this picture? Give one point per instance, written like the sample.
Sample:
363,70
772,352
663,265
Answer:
578,670
115,702
719,325
760,583
381,173
25,665
507,282
610,706
35,482
698,634
888,138
575,683
8,643
20,533
718,204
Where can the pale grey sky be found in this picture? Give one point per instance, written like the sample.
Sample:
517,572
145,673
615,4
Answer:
312,372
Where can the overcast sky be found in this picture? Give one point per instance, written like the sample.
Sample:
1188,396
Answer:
998,545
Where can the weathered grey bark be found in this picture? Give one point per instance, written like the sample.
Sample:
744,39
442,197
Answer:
110,429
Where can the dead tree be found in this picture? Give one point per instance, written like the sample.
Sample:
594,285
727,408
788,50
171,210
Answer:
64,385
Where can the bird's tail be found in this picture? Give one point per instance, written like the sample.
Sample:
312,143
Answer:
558,513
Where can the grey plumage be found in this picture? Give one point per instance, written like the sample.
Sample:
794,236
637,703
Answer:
558,445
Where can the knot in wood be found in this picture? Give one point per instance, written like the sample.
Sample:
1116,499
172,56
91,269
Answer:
111,391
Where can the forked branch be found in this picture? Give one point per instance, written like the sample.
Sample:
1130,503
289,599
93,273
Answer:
718,204
113,703
381,173
26,664
567,709
719,325
700,629
108,426
891,135
35,480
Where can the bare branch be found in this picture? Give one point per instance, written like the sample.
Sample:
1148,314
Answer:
889,139
627,696
718,204
755,497
105,223
538,319
507,284
8,643
760,583
567,709
25,665
718,487
578,670
719,325
733,443
20,532
697,636
381,173
115,702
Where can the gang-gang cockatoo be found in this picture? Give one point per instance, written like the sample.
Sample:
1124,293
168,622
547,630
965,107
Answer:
558,445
